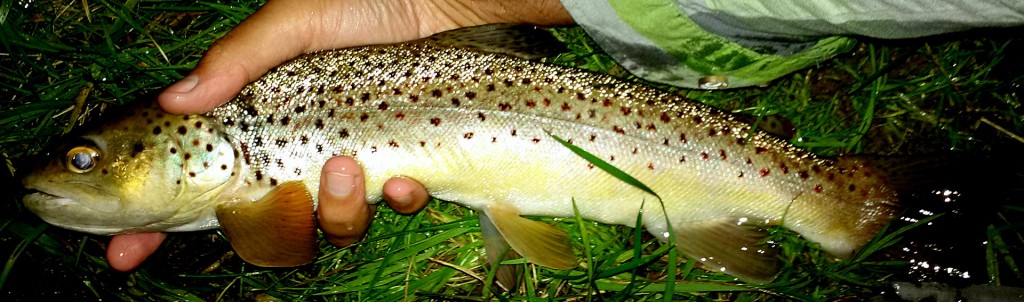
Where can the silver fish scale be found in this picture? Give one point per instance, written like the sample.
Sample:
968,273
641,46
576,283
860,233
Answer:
475,121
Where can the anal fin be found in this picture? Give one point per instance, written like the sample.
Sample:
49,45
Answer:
279,230
725,245
538,242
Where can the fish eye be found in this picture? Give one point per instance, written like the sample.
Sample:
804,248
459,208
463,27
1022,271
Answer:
82,159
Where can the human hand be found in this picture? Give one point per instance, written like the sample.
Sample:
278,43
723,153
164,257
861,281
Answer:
284,29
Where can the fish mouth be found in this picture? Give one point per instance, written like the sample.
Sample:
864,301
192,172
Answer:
46,199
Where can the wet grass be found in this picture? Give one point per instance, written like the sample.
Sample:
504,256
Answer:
63,62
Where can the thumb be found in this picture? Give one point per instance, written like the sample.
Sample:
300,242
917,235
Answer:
265,39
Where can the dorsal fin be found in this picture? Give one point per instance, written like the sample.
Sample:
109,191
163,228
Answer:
522,41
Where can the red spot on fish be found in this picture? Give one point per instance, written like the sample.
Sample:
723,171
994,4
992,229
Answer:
665,118
803,174
764,172
606,103
531,103
650,166
626,110
721,153
566,107
818,188
703,155
414,98
618,130
712,132
400,116
759,150
580,96
546,102
698,119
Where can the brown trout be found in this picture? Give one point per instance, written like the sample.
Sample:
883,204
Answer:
475,128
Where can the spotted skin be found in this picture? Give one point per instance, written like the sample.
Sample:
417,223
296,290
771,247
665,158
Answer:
475,129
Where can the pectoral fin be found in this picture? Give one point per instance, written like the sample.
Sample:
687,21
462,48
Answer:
727,246
278,230
538,242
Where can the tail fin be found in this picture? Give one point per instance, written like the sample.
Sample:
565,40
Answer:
967,190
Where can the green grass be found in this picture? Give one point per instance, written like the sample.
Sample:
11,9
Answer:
61,66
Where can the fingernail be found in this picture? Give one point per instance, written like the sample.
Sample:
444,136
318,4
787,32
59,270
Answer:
340,185
185,85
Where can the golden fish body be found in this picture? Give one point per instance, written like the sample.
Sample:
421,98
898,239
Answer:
479,129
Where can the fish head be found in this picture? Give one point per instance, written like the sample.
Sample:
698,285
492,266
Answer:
141,170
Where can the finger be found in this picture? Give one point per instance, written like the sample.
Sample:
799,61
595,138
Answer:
405,195
265,39
125,252
343,212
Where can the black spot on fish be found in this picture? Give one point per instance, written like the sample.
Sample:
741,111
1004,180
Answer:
764,172
285,120
259,175
319,123
363,117
818,188
722,154
281,142
209,148
191,174
199,124
364,97
698,119
304,139
157,130
174,150
759,150
182,130
436,93
456,102
273,181
223,167
383,106
188,155
480,115
703,155
436,121
343,133
535,140
490,87
392,144
468,135
470,95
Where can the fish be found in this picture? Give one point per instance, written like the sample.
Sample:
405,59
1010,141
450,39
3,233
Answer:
497,133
